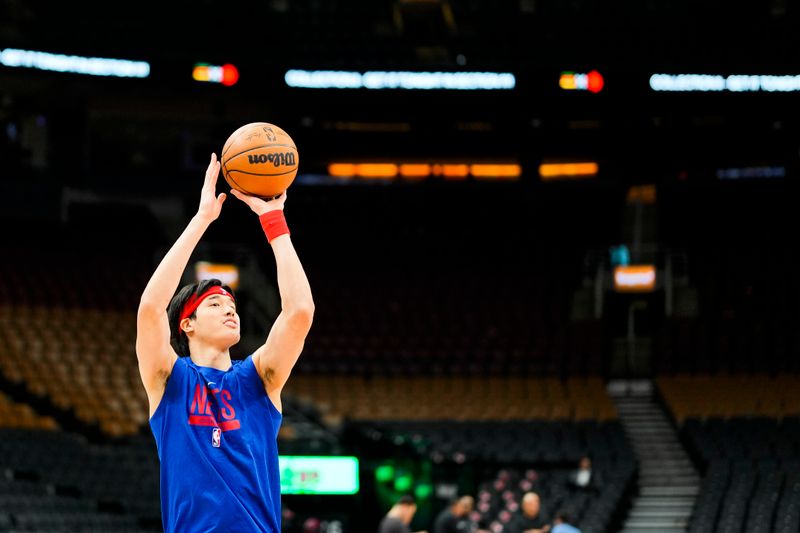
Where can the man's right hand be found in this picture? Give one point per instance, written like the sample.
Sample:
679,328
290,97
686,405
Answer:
210,203
259,206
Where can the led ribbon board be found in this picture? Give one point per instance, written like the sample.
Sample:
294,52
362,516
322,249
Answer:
339,79
509,171
318,475
717,83
92,66
560,171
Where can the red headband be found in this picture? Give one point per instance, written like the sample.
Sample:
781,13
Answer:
194,301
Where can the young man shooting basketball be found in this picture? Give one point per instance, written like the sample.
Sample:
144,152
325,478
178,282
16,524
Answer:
215,422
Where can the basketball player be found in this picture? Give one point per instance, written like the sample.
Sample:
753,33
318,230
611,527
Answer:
216,422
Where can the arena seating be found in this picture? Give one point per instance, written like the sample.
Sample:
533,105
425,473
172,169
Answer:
80,359
593,511
744,433
23,416
454,398
751,477
56,481
446,292
450,323
743,395
531,443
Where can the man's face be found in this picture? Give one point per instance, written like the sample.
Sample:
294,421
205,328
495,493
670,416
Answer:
408,515
464,507
586,463
530,505
216,321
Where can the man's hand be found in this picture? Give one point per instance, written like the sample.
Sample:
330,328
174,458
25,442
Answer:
210,203
258,205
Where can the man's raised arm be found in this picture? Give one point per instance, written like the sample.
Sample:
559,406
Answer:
153,348
276,358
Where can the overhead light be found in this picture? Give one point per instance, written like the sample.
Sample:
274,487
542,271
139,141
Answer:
415,170
496,171
363,170
556,171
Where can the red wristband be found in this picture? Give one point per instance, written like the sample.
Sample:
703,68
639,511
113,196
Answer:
274,224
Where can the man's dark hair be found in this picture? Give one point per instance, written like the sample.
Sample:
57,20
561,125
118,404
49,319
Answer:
563,516
178,338
408,499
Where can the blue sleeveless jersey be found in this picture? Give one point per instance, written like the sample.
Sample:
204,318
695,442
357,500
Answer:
216,433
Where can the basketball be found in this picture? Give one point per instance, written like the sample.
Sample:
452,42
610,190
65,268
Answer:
259,159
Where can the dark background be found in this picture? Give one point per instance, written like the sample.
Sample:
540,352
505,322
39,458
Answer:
105,172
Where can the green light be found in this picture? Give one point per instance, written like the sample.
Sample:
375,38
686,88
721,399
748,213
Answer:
403,483
423,491
384,473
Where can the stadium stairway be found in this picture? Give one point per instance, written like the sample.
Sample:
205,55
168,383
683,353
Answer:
667,482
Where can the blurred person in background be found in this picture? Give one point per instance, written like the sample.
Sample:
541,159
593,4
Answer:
399,517
529,521
455,518
561,524
585,478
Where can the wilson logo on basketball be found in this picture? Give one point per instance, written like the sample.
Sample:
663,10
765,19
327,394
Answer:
279,159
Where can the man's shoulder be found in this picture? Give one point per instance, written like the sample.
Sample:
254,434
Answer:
565,528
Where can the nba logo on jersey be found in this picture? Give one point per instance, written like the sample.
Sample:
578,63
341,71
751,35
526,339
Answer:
215,437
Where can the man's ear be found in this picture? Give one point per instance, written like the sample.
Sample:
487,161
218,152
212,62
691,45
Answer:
186,325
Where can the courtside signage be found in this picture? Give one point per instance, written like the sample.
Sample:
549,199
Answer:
318,475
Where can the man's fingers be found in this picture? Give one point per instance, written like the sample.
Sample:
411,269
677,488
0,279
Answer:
241,196
212,165
215,173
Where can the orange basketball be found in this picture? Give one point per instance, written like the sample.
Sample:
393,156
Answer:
259,159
